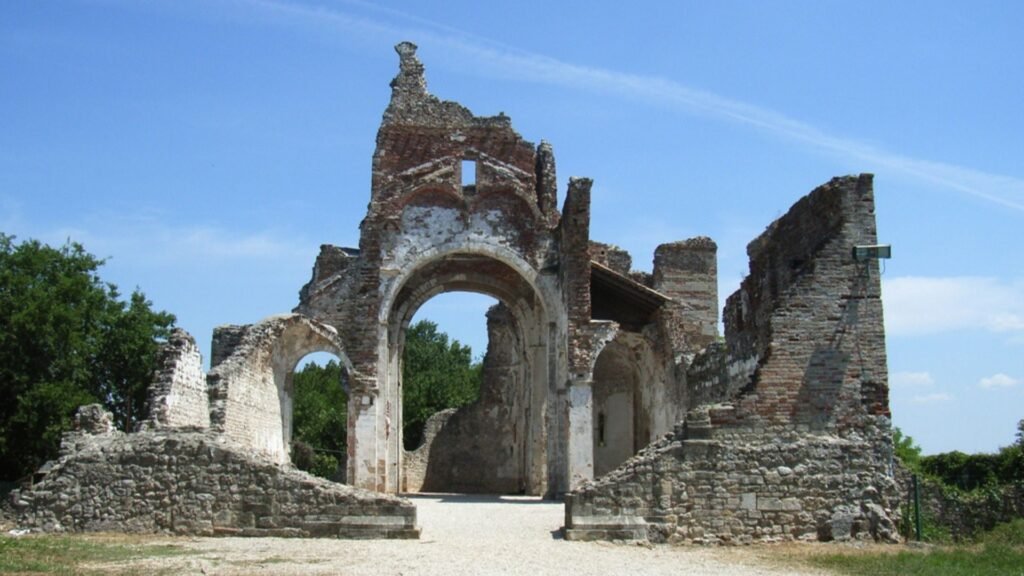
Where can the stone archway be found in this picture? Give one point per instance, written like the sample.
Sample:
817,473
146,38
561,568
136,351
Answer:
633,399
616,404
249,383
512,405
501,234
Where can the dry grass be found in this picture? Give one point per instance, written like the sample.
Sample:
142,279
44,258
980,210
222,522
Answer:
79,554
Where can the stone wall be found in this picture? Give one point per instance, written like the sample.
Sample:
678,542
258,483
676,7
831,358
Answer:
250,385
479,448
687,272
685,491
611,256
177,396
963,515
789,436
197,483
415,463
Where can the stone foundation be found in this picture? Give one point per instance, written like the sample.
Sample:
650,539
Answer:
197,483
731,492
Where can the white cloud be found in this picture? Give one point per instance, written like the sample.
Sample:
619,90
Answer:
918,305
139,241
222,244
529,66
935,398
911,379
998,381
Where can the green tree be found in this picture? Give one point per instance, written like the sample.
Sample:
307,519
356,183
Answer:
319,416
1012,464
124,365
436,374
66,339
906,450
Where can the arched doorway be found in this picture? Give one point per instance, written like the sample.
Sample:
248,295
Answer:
630,394
512,456
250,384
615,408
317,390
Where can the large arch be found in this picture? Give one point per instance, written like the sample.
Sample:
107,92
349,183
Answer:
426,233
481,272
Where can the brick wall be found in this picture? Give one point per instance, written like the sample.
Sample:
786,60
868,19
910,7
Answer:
177,396
789,435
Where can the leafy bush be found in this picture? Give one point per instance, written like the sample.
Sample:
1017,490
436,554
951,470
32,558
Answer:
906,450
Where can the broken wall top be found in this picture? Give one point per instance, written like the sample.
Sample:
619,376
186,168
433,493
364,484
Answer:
418,127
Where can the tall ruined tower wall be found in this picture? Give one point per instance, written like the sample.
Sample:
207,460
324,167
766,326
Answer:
789,437
432,227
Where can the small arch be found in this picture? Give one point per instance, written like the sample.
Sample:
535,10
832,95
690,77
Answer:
614,397
317,416
631,395
249,390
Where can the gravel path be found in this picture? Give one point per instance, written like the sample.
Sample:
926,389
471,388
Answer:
464,535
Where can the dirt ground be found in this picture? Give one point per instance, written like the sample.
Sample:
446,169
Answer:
464,535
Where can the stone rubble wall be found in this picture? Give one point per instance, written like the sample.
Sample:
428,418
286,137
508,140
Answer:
788,436
478,448
415,462
250,387
611,256
197,483
177,394
685,491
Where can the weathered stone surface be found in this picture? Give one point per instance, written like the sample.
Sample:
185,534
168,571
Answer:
788,436
200,483
249,386
177,396
94,419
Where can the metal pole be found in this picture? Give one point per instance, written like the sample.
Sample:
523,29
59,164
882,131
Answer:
917,509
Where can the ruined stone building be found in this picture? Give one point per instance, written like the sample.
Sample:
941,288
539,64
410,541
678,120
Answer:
608,387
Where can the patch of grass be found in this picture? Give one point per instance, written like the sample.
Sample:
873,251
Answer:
999,552
46,554
989,560
1008,534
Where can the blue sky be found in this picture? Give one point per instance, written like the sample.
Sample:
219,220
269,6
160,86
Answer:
208,148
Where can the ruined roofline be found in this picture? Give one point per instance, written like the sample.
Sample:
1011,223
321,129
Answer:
411,103
777,228
625,283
